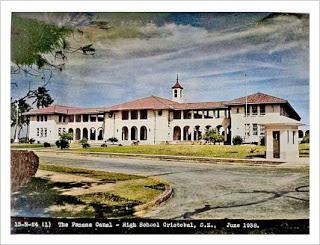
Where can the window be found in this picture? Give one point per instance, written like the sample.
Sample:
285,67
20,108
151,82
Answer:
207,114
38,118
197,115
262,130
247,129
100,117
59,131
60,118
93,118
85,118
45,117
45,132
143,114
160,113
125,115
238,110
175,93
187,115
176,114
254,129
78,118
38,132
134,115
254,110
262,109
293,136
41,132
217,113
71,118
64,130
41,118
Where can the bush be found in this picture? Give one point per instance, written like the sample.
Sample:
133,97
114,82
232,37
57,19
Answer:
237,140
84,143
46,144
212,136
113,140
62,144
31,141
24,140
104,144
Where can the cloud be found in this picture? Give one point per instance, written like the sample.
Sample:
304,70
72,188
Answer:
211,62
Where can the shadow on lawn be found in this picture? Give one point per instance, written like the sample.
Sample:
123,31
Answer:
35,199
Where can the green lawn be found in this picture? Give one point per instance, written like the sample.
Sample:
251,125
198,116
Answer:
304,150
224,151
44,197
26,146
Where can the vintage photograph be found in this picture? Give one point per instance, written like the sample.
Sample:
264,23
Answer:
160,123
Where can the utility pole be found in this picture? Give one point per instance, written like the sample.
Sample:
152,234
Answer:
246,106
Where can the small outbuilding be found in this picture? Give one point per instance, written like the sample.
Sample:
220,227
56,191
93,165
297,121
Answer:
282,140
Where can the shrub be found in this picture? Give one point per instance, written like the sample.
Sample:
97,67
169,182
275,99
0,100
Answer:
32,140
212,136
113,140
237,140
46,144
104,144
84,143
63,142
24,140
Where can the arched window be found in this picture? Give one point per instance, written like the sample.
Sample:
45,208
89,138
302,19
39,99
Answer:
92,134
134,133
78,134
186,133
84,133
125,133
143,133
70,131
100,133
176,133
208,127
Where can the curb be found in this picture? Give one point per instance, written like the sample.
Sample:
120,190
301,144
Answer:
141,209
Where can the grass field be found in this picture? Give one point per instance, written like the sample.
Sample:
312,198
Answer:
26,145
304,150
45,196
225,151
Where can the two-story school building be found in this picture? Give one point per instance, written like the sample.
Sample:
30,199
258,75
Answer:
156,120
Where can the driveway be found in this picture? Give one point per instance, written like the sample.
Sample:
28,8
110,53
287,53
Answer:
213,191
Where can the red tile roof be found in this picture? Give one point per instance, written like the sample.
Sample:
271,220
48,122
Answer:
177,85
61,109
158,103
256,98
151,102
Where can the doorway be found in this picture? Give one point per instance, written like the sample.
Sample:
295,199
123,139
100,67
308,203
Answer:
276,144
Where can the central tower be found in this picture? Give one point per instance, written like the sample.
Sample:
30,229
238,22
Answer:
177,91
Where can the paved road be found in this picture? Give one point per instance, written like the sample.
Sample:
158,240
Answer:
213,191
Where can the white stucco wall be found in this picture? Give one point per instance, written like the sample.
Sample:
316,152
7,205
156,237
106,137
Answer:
289,145
238,121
